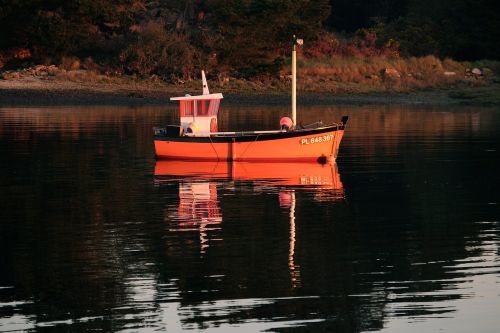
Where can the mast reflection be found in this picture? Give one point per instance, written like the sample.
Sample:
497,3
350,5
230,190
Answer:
199,205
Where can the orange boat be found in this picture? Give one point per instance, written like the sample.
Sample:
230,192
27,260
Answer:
197,136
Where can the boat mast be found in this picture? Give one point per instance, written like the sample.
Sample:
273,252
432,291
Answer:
205,85
294,78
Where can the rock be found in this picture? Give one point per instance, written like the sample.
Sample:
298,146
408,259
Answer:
40,68
477,71
11,75
450,73
474,73
52,70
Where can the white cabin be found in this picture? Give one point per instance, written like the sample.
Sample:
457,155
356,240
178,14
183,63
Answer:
198,114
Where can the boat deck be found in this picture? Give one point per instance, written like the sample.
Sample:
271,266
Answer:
162,133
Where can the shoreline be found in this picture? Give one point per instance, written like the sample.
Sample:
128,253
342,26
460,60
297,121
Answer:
55,92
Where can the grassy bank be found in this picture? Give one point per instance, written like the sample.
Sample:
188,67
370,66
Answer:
349,78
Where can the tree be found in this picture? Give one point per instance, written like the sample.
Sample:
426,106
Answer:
254,35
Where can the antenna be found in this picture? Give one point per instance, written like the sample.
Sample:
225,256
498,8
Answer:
205,85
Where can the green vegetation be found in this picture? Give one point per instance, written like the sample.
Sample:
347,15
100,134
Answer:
171,39
347,41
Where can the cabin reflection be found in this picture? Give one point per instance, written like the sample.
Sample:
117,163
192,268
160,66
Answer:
198,210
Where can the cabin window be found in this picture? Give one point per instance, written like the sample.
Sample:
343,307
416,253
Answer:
181,108
186,108
214,107
201,108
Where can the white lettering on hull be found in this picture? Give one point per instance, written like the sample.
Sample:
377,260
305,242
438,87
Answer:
316,139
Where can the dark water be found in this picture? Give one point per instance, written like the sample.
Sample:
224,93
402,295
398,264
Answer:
402,234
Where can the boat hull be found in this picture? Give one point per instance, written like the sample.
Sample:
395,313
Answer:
320,144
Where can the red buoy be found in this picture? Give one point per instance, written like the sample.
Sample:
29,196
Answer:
286,123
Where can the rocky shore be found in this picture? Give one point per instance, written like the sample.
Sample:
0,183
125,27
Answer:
50,85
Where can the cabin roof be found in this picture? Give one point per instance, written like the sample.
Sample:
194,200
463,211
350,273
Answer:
197,97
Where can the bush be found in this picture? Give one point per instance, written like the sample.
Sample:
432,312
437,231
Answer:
153,50
70,63
365,43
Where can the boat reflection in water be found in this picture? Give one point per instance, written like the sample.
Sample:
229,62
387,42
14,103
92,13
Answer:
199,206
324,176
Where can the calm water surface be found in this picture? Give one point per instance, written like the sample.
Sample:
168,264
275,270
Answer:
402,234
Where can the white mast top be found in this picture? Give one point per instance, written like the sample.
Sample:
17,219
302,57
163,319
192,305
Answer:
205,96
205,85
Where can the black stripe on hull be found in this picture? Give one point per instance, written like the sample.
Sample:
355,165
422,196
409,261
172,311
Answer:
249,137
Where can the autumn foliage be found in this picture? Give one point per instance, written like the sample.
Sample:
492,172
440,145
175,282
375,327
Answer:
239,38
